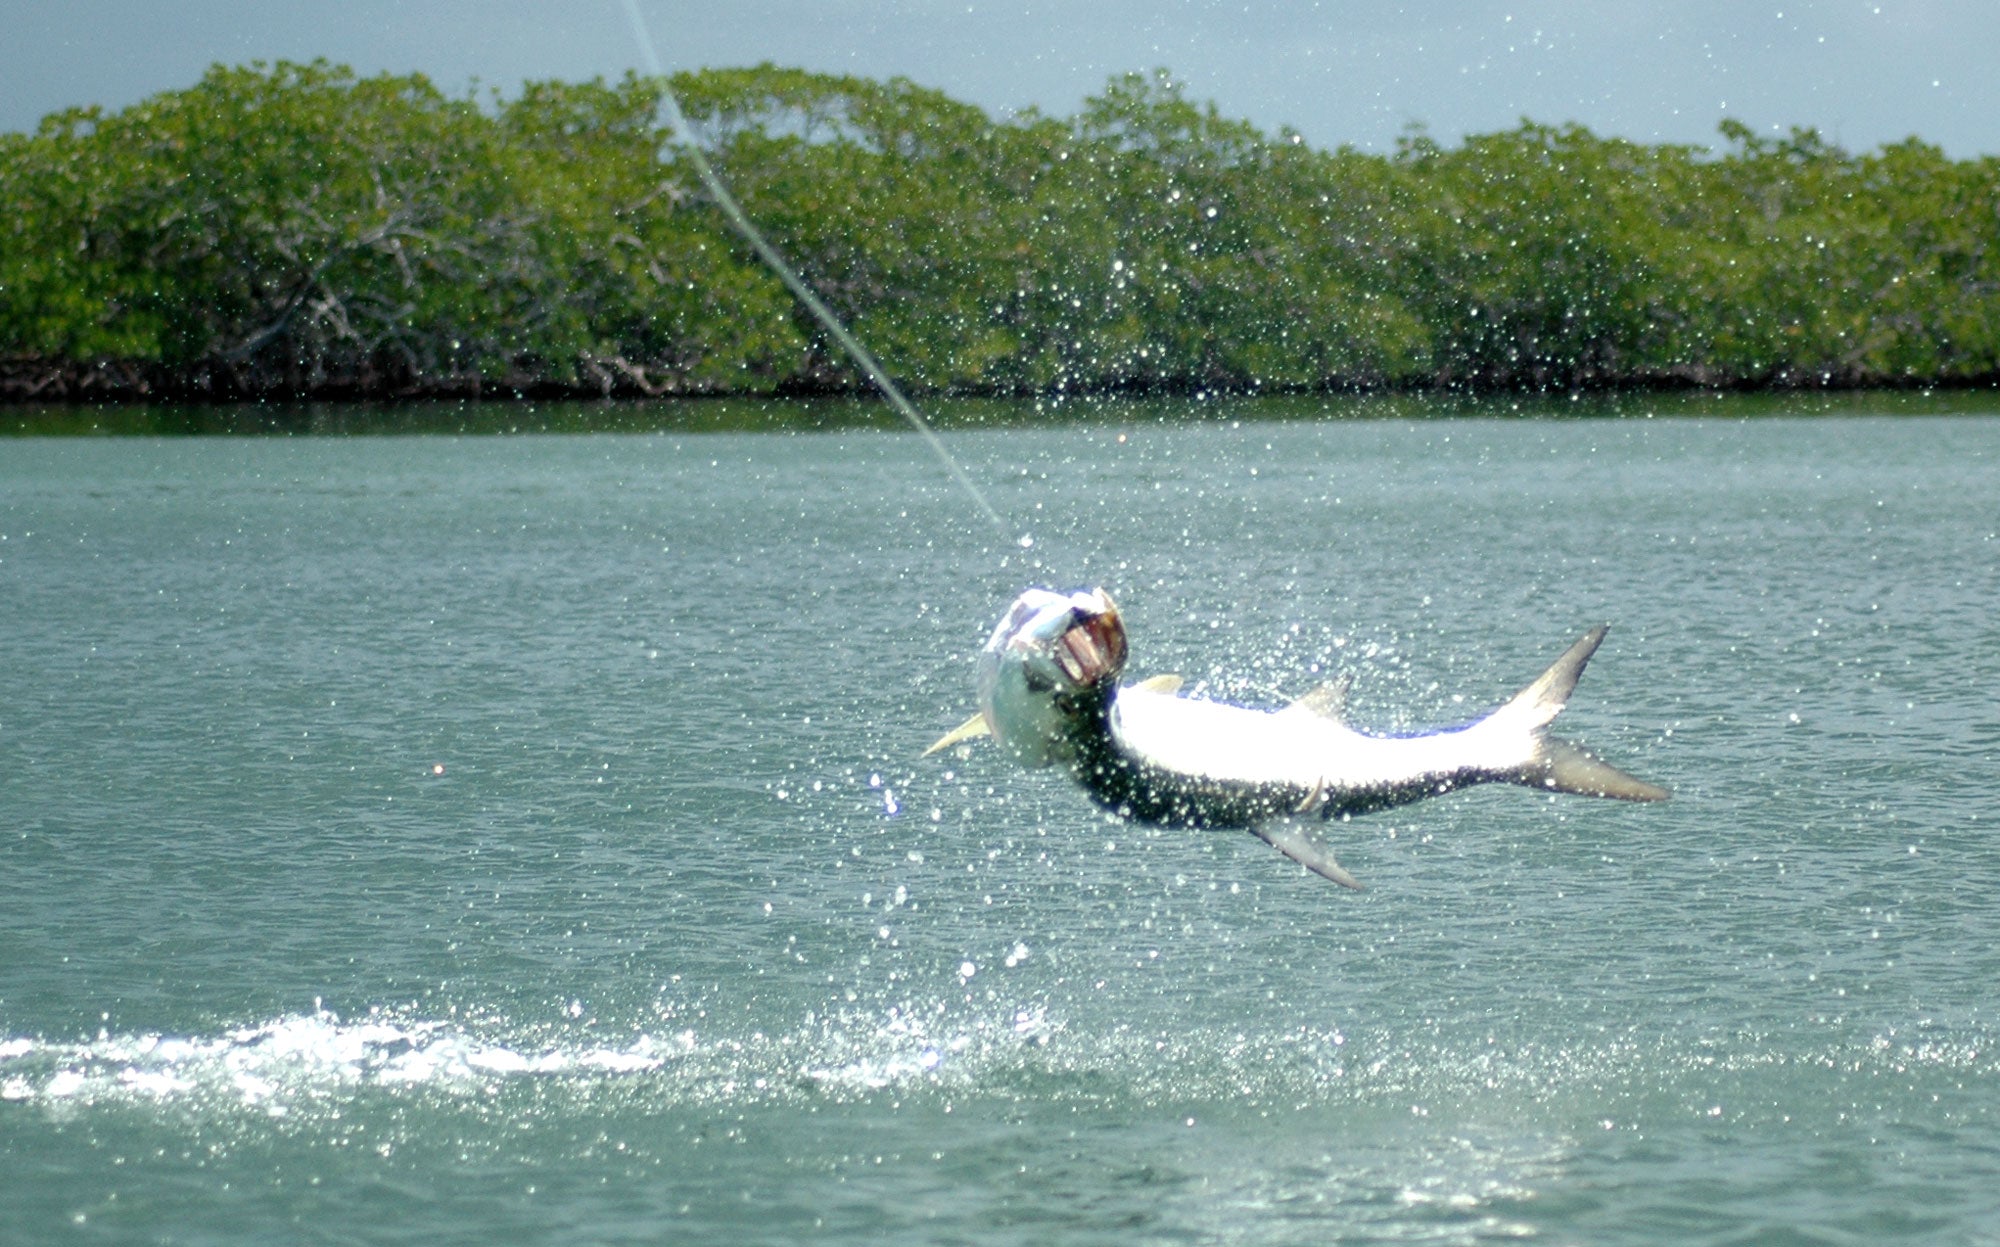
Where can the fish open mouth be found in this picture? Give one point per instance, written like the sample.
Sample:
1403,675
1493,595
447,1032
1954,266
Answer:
1092,651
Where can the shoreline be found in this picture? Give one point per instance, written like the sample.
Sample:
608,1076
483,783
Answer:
865,412
114,384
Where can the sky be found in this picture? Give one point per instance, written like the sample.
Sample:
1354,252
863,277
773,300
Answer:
1863,72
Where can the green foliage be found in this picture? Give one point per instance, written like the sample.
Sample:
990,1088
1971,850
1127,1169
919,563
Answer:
295,228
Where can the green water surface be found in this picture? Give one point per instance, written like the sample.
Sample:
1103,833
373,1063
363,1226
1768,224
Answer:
470,839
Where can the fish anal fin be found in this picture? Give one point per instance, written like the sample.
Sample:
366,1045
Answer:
971,729
1328,701
1167,684
1295,842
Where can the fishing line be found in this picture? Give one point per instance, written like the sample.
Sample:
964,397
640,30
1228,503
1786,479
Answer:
684,136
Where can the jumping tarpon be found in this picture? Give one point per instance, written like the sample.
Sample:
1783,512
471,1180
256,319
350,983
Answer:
1049,693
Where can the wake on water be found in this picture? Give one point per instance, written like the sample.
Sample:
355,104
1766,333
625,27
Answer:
320,1061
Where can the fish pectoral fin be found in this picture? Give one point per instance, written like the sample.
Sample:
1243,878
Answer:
1303,847
1328,701
1167,684
971,729
1312,800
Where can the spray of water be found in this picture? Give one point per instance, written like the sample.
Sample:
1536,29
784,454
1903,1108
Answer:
862,357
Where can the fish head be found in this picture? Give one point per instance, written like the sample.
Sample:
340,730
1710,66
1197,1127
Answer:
1048,671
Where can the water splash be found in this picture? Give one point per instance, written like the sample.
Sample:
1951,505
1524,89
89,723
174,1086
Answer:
317,1061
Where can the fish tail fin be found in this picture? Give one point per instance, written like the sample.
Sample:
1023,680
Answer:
1560,766
1554,764
1536,706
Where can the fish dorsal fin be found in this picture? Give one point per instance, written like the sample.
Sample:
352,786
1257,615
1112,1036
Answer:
1166,684
971,729
1328,701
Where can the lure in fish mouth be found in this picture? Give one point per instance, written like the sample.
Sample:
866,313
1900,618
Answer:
1049,693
